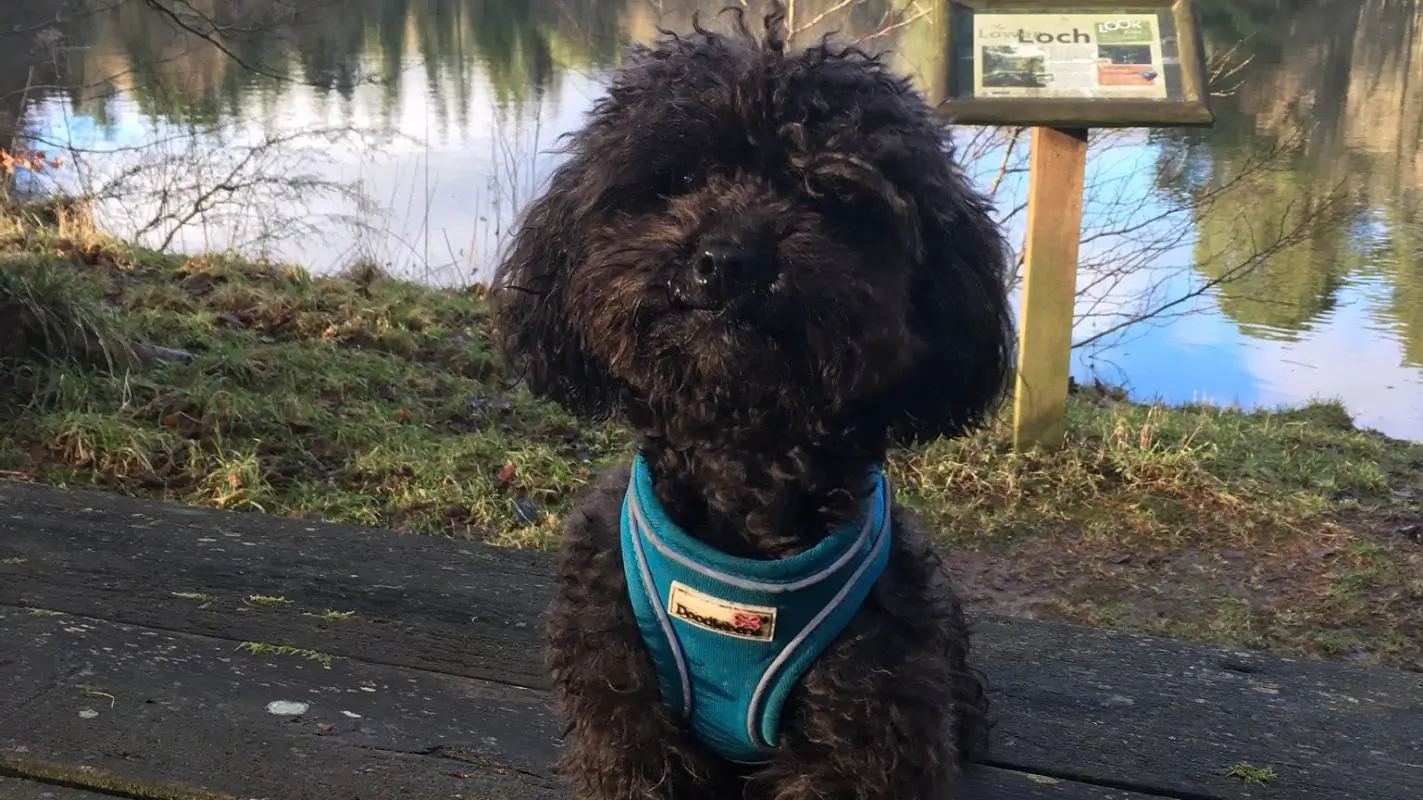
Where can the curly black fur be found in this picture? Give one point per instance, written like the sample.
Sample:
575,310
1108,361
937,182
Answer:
869,309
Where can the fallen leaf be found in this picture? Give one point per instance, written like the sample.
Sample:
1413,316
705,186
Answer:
506,475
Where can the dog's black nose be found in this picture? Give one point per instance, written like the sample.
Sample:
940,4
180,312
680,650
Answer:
719,272
723,262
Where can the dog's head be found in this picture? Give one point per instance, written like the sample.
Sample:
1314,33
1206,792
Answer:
741,234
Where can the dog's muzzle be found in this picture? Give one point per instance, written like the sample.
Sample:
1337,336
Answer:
719,273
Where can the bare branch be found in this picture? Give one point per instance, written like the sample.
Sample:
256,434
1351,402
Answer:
821,17
887,26
60,17
204,27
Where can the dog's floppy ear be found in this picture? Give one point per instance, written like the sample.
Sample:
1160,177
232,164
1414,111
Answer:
530,300
959,313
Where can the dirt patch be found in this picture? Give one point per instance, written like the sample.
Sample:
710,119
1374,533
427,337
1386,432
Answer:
1347,588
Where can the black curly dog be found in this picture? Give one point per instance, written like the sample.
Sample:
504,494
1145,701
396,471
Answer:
769,266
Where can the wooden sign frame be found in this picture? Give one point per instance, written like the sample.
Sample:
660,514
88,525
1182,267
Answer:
1183,67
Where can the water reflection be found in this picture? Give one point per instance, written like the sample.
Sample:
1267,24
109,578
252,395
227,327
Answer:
1345,82
442,113
1339,312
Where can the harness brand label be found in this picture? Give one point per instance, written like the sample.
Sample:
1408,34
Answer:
756,623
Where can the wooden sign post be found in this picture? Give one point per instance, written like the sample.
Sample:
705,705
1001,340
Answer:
1062,67
1056,172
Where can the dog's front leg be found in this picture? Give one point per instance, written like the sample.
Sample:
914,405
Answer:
622,743
885,712
857,730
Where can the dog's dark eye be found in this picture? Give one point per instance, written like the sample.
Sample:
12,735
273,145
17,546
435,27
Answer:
836,197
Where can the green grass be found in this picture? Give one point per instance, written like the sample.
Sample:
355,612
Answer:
334,616
1245,773
44,612
205,601
1155,471
58,313
363,399
372,402
264,649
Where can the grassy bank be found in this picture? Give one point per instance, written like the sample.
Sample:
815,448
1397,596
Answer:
219,382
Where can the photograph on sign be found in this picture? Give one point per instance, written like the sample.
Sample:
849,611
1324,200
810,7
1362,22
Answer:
1118,56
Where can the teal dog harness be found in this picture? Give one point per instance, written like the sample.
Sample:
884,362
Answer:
731,636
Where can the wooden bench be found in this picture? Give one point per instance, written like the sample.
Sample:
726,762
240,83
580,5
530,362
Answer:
155,651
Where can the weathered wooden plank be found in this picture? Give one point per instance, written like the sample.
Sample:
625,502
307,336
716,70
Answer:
16,789
1178,717
425,602
176,716
1154,715
151,709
